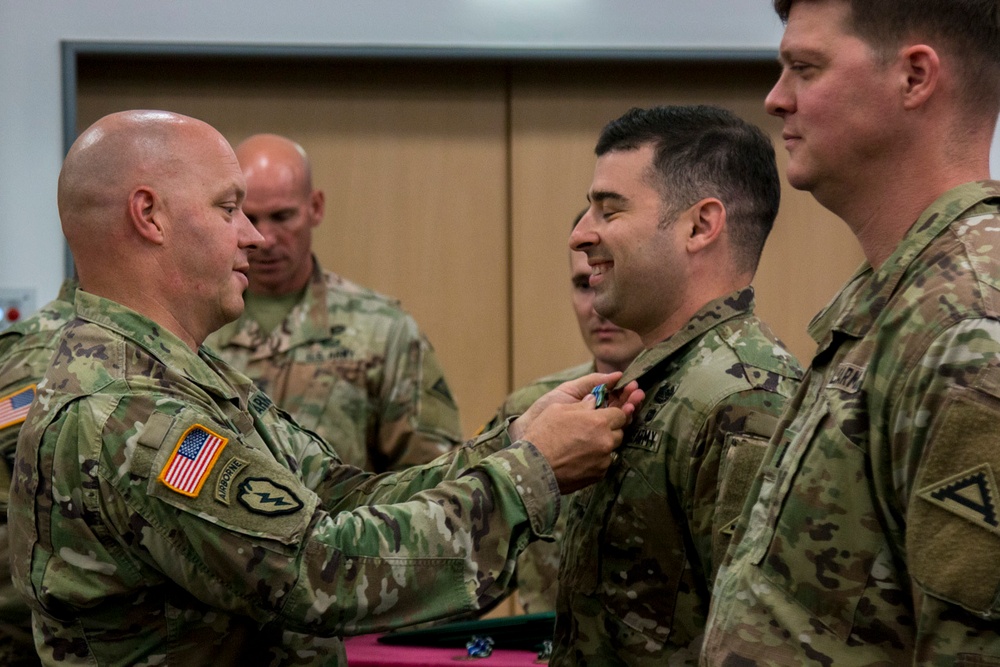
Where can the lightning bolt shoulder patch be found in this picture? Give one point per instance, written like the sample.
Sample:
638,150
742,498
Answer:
262,496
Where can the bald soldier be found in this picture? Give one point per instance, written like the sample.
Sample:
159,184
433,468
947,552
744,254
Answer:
344,361
164,511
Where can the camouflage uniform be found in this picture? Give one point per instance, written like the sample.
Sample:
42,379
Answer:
266,545
875,534
25,351
643,545
349,364
538,566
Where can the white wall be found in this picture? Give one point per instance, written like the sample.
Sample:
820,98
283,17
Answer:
31,247
31,250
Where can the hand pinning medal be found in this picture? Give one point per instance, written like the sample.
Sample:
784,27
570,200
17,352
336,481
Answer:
600,394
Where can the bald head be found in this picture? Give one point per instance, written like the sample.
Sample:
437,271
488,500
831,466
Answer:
150,203
284,207
110,159
276,159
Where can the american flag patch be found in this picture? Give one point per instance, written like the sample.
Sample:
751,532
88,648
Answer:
14,407
192,460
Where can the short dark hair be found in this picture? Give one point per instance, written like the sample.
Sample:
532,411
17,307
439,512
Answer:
704,151
968,29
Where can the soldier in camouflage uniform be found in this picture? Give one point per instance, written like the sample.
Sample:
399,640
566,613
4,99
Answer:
874,536
613,349
682,201
164,511
25,351
344,361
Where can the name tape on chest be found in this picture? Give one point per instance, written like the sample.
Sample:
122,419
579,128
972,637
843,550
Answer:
847,377
644,438
192,460
261,402
14,407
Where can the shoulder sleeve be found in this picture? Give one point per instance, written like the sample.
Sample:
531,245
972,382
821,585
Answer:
22,367
945,465
207,506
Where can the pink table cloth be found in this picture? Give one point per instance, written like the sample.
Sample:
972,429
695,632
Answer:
365,651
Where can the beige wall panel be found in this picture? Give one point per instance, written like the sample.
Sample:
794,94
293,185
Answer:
413,161
557,114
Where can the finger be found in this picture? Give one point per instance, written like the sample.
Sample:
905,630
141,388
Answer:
615,418
582,386
623,396
634,401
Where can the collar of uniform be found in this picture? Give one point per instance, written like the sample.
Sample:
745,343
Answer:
50,317
865,296
825,322
67,290
306,322
738,304
163,345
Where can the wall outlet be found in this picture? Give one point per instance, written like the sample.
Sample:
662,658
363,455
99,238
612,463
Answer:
15,305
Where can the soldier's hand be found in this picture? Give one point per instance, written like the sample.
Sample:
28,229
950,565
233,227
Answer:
577,440
627,398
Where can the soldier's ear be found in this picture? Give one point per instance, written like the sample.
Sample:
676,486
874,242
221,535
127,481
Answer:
708,220
921,70
145,214
317,207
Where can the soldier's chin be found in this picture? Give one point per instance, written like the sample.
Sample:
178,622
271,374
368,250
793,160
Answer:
231,313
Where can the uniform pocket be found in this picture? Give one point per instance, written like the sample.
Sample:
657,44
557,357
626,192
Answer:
826,536
642,550
740,466
958,503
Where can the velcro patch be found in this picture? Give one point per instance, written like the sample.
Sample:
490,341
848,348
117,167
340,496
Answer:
192,460
644,438
971,495
729,529
664,393
223,488
261,402
847,378
14,407
441,389
262,496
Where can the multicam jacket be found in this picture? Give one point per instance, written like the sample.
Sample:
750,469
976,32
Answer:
643,545
538,566
25,351
875,536
164,511
349,364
